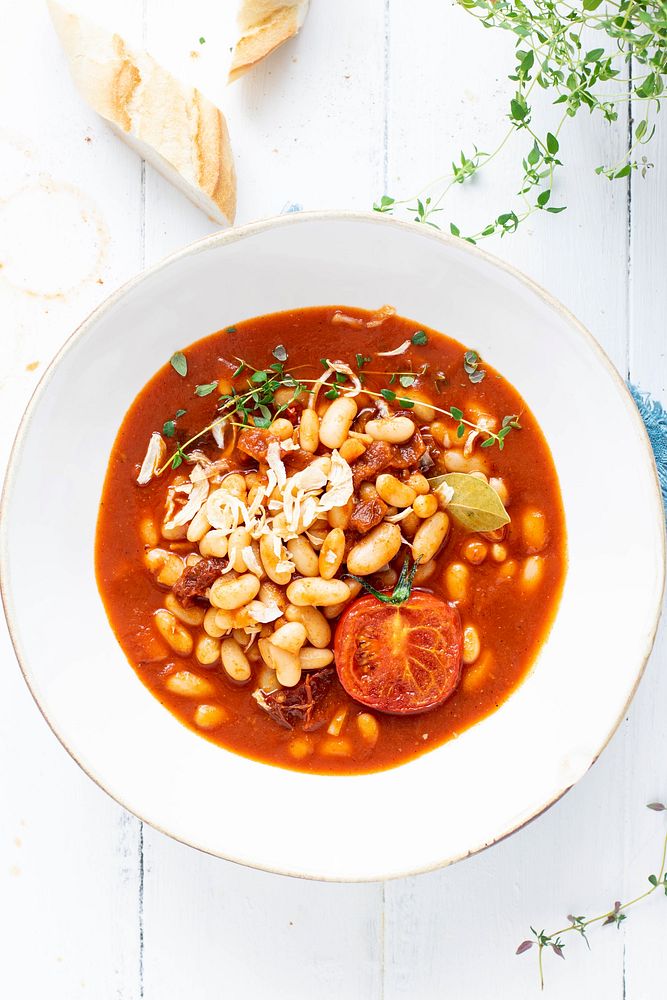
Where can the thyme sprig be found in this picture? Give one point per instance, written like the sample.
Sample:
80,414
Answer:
580,924
256,404
626,65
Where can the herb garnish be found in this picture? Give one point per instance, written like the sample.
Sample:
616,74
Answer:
471,367
169,426
362,360
419,338
206,390
179,363
615,916
257,403
279,353
626,67
401,592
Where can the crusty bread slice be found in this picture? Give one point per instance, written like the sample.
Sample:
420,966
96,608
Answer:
172,126
263,26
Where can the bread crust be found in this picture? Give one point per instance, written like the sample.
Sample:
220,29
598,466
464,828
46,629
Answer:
176,128
265,25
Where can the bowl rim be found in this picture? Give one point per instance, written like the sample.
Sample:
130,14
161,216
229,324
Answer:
228,236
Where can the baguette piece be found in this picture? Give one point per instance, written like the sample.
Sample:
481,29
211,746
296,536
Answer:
174,127
263,26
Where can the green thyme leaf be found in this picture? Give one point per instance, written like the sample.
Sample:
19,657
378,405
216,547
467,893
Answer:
388,394
205,390
169,428
419,338
180,413
179,363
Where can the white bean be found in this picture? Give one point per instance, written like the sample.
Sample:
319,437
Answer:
198,526
189,685
375,549
285,664
214,543
211,626
396,430
166,566
471,644
173,633
317,627
272,552
231,592
210,716
313,590
394,492
429,536
309,431
368,727
314,659
290,636
331,553
150,536
337,421
532,572
534,530
189,616
207,650
303,556
456,581
234,660
238,540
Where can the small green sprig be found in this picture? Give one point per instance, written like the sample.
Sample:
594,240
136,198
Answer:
471,362
580,924
625,65
256,403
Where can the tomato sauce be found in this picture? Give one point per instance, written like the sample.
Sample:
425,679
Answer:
510,609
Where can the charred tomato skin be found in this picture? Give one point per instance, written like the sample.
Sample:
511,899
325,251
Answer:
403,659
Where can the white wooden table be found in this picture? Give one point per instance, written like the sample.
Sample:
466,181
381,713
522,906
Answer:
373,96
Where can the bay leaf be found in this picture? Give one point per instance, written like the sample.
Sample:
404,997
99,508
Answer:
474,504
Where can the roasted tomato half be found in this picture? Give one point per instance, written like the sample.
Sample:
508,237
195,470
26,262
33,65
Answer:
402,660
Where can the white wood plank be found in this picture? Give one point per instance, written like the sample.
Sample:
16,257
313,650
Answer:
215,929
69,220
301,133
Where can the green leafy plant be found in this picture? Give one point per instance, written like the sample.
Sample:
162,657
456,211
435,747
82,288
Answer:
613,917
597,56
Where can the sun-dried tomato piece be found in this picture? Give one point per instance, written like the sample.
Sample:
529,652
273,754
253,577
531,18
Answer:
290,706
367,513
195,580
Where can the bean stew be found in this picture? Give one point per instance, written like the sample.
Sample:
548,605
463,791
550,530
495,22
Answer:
330,539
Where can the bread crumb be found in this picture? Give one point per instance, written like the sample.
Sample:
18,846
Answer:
33,366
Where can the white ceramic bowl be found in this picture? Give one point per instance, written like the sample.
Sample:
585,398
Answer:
456,799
